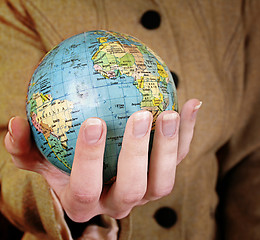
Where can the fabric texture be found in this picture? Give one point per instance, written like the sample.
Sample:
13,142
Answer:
213,47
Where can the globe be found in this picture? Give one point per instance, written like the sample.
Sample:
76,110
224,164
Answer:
102,74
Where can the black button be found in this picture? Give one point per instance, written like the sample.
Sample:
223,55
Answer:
165,217
175,79
151,19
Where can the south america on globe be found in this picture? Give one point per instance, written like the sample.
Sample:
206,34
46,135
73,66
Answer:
102,74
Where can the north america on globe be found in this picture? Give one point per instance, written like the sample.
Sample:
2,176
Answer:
102,74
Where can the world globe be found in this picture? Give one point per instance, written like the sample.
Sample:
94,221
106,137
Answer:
102,74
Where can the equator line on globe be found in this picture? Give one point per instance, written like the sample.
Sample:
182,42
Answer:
102,74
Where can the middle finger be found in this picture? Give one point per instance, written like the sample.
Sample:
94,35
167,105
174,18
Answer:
131,182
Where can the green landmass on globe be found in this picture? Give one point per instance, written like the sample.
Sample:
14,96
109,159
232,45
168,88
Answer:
101,74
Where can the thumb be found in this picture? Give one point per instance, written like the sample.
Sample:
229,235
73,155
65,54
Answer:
19,144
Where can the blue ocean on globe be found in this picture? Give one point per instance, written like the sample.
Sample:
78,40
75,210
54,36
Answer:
101,74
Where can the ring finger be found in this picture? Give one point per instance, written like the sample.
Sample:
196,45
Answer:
163,157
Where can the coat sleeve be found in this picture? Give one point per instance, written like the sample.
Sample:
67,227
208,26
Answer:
240,157
25,197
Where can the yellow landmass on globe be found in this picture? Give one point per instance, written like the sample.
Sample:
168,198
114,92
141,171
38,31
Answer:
161,70
102,39
150,83
54,116
140,82
157,101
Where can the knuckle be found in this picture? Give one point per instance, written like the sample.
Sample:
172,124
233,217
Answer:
132,198
160,192
85,198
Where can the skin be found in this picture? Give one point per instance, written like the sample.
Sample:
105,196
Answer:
82,194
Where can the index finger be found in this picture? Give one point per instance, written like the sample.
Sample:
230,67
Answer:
82,194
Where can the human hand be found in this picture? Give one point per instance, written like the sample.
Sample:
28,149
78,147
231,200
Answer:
82,194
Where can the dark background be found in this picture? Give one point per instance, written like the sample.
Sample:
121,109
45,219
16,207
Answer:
8,231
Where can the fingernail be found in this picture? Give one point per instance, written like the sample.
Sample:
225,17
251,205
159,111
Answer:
10,129
93,130
169,124
195,110
142,123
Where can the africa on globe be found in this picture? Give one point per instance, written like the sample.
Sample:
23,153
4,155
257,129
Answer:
102,74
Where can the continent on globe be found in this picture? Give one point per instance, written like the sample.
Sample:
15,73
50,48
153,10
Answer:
52,119
95,74
114,59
